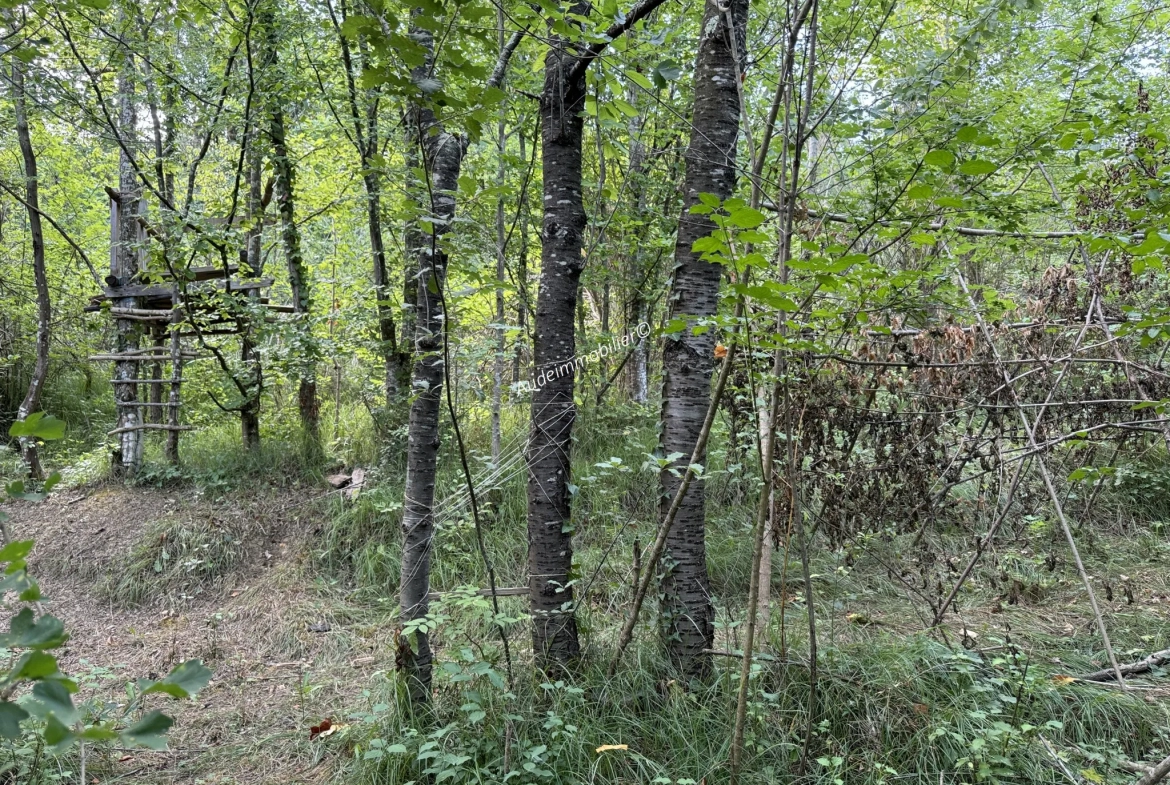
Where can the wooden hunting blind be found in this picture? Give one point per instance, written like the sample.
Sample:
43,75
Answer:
161,320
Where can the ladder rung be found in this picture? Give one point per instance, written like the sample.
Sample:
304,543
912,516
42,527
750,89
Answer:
146,381
150,427
141,358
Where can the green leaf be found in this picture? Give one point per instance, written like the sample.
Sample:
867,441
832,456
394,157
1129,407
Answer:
57,733
99,733
25,631
355,25
708,244
669,70
753,236
747,218
150,731
625,107
943,159
639,80
967,134
35,665
183,682
31,591
977,167
11,716
771,298
38,426
920,191
52,698
16,551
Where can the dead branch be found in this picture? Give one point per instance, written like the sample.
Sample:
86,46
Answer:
1155,660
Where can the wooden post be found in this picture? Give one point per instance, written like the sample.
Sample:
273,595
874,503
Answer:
172,449
154,413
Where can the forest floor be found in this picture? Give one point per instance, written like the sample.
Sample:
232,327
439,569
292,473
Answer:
145,578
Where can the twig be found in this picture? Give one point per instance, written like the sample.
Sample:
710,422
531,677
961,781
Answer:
1060,763
487,562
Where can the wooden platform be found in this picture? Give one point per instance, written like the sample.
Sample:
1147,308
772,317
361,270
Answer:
172,308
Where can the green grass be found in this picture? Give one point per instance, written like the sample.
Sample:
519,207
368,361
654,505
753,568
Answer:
889,710
895,705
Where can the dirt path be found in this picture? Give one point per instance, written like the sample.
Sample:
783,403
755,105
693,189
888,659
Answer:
145,579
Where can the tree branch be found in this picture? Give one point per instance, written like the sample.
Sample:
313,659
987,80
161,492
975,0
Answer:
64,235
594,50
501,69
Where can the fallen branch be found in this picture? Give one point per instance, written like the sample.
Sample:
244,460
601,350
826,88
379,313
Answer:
1155,660
502,591
1156,774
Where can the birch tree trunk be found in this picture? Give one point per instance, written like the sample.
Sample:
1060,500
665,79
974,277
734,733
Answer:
442,156
550,537
32,398
123,268
687,617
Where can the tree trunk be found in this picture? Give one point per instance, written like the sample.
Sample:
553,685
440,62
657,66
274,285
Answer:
686,613
639,372
501,271
32,398
550,538
521,276
253,268
298,274
124,266
442,155
365,138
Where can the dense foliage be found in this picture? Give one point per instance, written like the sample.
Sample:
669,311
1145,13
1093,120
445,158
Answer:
668,317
